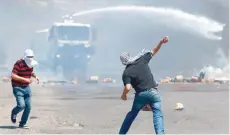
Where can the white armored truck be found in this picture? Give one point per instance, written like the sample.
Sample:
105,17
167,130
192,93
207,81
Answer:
67,45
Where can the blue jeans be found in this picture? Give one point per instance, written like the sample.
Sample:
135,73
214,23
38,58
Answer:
152,98
23,95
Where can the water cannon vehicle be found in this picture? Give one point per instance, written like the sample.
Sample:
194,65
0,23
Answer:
67,45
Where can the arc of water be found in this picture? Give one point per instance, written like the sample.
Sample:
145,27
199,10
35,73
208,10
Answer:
177,18
42,31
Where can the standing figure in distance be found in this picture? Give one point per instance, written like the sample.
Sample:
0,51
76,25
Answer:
21,79
137,74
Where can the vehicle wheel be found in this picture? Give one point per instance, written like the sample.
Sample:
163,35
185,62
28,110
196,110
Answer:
68,73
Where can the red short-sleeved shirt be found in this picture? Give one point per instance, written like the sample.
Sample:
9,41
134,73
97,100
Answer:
21,69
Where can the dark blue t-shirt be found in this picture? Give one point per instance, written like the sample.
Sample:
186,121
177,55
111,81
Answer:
139,75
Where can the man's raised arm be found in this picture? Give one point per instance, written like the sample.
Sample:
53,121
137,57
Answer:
157,48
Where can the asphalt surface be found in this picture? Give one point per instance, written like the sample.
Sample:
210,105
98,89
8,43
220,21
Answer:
72,109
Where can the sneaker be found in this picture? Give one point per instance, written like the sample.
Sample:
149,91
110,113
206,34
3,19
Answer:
24,126
13,117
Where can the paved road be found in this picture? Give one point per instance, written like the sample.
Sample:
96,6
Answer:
98,109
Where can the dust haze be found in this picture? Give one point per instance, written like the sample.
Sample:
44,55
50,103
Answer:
117,32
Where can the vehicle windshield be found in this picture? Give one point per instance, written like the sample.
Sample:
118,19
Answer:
73,32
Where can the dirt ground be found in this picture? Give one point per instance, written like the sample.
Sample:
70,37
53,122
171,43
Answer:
74,109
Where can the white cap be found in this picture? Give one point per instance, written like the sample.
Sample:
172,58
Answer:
28,52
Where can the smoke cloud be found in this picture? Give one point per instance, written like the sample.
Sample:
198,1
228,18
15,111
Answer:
118,33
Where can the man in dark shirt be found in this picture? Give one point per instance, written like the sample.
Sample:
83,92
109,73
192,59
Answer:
21,74
137,74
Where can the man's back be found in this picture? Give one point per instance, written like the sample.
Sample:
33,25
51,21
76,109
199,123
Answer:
139,74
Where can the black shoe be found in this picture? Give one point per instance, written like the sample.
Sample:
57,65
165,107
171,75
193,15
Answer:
13,117
24,126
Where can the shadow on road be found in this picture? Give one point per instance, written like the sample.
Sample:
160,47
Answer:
8,127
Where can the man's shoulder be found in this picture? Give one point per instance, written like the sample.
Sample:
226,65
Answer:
19,61
148,54
126,72
145,58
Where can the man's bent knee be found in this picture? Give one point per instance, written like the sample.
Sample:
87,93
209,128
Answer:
28,107
21,106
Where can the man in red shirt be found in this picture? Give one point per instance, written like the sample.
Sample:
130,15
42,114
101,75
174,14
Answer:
21,74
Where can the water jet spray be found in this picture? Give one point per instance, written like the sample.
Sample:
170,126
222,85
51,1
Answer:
170,17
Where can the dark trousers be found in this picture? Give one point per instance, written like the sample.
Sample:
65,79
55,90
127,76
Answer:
152,98
23,99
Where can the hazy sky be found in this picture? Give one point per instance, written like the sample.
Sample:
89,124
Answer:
117,33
